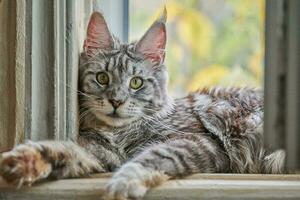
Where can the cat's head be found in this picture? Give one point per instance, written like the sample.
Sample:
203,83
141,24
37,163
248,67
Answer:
121,83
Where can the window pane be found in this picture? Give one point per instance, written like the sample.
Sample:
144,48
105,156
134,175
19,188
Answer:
215,42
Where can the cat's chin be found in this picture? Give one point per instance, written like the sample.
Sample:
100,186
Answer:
115,120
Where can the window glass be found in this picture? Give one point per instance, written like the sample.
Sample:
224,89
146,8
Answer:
215,42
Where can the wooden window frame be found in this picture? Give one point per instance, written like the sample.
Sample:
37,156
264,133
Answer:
12,73
282,79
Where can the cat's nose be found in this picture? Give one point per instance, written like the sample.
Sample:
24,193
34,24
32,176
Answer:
115,103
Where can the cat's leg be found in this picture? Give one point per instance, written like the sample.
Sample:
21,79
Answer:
30,162
164,161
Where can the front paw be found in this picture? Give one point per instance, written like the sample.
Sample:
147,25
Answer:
24,165
122,188
132,182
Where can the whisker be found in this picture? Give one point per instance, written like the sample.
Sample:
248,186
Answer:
83,115
156,131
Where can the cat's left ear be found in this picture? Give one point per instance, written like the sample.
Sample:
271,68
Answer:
152,44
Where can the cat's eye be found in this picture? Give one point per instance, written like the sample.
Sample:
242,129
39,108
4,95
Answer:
103,78
136,83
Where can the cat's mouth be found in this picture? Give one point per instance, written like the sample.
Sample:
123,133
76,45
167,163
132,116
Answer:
115,115
115,119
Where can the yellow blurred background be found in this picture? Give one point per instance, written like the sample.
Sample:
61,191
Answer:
210,42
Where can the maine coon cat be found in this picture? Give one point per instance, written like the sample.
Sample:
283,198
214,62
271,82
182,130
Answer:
131,126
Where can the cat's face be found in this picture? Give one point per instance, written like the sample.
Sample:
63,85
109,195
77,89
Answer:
122,83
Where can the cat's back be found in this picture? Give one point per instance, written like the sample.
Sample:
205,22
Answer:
242,100
222,111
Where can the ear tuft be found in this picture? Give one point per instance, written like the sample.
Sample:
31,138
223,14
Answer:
152,44
98,35
163,16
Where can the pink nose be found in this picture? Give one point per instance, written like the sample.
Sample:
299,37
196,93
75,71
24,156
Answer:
115,103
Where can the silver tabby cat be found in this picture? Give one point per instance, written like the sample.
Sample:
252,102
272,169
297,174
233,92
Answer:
131,126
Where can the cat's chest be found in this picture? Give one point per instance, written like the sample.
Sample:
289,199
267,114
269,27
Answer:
135,135
184,119
156,131
184,124
131,140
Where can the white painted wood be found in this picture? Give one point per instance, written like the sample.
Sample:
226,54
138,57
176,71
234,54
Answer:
196,187
60,66
53,70
72,52
42,88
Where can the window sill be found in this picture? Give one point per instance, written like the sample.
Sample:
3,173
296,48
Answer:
204,186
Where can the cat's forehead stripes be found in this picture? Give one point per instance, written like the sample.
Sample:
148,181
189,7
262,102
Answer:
133,70
123,63
110,66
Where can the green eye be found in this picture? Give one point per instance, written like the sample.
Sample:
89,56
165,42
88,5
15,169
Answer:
136,83
103,78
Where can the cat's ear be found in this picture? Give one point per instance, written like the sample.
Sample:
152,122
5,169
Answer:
152,44
98,35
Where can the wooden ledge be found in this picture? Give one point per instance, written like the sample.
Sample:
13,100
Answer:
195,187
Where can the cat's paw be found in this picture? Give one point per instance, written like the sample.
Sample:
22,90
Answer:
132,182
23,165
121,188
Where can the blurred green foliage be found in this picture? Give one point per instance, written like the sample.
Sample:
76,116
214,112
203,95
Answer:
210,42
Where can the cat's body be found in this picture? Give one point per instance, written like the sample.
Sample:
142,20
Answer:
236,112
130,125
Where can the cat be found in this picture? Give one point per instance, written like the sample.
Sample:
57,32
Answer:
129,124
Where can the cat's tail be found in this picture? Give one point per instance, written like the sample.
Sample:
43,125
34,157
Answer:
274,162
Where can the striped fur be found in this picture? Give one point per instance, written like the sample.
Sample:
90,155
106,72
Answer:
151,137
